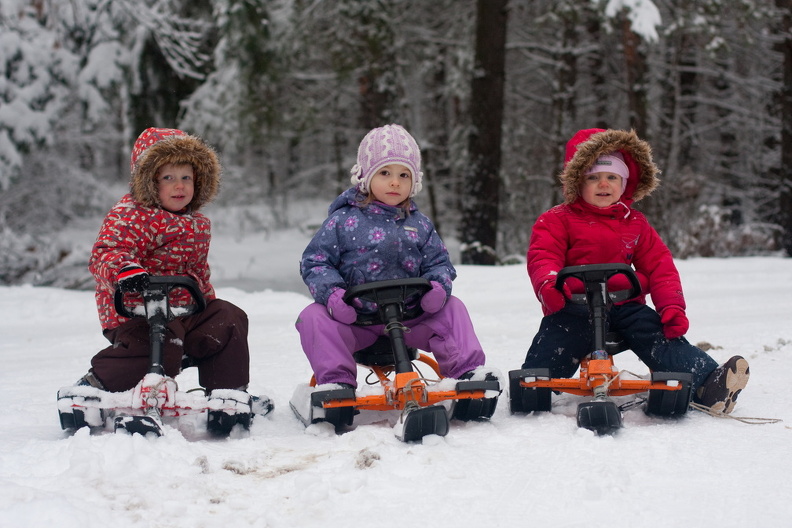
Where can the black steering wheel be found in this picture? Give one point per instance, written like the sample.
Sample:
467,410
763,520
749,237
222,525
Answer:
386,293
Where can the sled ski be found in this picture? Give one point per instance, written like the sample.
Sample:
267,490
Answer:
530,390
424,405
90,407
142,410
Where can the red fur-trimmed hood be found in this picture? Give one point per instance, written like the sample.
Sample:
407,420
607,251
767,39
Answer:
157,146
587,145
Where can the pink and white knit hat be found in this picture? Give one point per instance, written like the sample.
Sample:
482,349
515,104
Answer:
614,163
384,146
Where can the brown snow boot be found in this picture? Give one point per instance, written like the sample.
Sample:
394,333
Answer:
719,392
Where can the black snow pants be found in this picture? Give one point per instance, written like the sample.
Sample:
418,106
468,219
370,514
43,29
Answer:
566,336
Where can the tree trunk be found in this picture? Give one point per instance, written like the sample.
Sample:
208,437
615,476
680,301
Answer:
635,64
480,206
785,97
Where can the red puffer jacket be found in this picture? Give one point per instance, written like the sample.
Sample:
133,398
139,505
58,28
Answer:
577,233
161,242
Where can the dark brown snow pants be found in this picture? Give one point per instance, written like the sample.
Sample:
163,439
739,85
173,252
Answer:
215,341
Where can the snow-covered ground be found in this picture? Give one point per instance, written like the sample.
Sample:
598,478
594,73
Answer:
538,470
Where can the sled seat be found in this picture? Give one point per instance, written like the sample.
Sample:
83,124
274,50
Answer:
380,354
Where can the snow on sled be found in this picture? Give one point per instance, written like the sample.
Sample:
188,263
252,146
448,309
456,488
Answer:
425,407
141,410
530,390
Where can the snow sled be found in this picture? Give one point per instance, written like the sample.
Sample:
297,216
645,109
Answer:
141,410
530,390
426,406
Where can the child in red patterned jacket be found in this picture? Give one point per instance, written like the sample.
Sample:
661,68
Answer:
156,229
605,172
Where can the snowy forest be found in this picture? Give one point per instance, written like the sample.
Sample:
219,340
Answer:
491,89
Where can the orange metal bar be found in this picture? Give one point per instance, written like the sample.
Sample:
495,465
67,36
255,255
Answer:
379,402
405,387
596,372
579,387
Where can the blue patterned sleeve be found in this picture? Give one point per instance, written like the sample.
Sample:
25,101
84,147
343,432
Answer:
320,261
436,263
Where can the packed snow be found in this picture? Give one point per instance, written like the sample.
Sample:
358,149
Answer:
535,470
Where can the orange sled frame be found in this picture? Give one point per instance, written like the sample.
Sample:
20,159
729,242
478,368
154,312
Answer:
669,393
403,388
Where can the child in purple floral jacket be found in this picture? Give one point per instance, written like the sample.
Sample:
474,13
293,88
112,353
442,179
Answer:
375,232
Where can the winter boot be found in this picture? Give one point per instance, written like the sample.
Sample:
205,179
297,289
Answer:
261,405
719,392
76,404
340,417
228,407
90,380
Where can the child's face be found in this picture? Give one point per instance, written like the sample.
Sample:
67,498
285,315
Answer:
176,186
391,184
601,189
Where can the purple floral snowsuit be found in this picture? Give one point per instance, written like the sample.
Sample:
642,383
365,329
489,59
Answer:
357,245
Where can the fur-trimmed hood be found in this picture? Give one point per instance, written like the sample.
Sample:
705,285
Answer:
587,145
157,146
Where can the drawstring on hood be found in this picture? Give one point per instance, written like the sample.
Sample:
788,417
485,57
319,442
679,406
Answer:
157,146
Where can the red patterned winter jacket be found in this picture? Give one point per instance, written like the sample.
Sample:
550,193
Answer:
163,243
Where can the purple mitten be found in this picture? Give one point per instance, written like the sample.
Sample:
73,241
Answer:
338,309
434,299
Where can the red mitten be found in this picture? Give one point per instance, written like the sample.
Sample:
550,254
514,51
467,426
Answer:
338,309
552,298
675,322
621,282
434,299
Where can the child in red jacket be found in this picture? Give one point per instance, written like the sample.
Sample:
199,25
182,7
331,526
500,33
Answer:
605,172
156,229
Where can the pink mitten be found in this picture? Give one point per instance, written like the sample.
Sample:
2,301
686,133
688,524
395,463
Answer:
675,322
338,309
434,299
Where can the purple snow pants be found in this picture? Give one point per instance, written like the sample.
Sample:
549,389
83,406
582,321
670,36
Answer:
329,345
